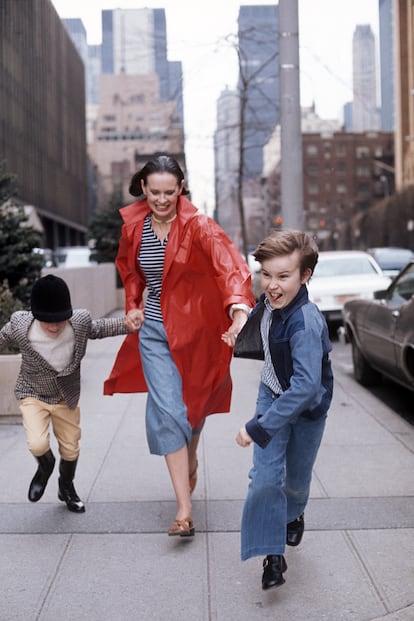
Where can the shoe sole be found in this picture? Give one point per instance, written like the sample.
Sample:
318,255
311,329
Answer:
274,586
189,533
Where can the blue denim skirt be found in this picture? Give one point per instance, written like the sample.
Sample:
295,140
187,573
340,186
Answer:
167,425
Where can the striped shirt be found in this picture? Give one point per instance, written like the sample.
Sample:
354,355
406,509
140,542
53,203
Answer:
151,259
269,377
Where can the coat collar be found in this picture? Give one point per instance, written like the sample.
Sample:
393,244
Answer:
299,300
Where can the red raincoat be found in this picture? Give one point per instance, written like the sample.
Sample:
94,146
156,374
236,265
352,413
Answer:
204,274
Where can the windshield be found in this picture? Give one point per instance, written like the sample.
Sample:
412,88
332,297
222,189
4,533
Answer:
343,267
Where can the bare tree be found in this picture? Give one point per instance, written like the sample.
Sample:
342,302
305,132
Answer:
255,124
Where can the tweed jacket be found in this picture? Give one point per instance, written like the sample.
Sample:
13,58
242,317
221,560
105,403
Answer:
37,378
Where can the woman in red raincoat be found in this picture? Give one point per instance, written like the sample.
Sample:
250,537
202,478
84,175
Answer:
198,296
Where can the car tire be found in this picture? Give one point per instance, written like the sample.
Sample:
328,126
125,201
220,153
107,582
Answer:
363,372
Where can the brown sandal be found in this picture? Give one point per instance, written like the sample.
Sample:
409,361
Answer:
182,528
193,478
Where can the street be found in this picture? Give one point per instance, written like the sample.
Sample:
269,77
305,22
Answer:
396,398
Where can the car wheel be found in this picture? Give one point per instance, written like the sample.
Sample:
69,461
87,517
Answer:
363,372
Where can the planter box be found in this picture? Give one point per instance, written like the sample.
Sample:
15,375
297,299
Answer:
9,369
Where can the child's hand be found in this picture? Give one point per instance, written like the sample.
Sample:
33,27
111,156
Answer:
134,319
243,438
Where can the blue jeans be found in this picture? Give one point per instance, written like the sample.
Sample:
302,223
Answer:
279,481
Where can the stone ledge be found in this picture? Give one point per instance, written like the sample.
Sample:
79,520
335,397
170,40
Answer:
9,369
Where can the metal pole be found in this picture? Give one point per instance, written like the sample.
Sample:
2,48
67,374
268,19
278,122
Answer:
290,117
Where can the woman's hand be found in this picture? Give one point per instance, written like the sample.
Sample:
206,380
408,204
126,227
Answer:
243,438
230,336
134,319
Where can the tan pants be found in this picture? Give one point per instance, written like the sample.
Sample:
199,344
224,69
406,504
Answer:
37,416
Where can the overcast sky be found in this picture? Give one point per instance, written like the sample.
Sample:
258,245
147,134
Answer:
196,33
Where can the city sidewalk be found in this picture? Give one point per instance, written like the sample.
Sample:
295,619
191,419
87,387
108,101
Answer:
116,562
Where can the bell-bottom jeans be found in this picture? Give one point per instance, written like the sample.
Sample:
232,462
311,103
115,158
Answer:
280,481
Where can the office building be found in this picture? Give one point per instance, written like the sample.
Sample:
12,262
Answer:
343,176
226,163
134,42
365,114
42,118
258,83
132,125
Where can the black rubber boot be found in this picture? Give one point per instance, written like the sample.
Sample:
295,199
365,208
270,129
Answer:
38,484
67,491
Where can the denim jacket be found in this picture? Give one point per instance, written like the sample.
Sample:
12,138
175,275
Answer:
299,348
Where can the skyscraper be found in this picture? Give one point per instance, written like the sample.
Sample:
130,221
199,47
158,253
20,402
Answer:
226,162
365,114
258,83
134,42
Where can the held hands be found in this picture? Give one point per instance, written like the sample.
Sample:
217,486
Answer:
243,438
134,319
239,319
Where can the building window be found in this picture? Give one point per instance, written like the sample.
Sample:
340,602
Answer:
313,188
313,207
312,149
341,188
341,168
313,223
364,188
341,149
362,152
363,171
312,169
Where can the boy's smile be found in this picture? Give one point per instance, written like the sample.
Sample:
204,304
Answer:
281,278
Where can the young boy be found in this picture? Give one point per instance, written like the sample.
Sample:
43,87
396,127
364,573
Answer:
294,395
52,339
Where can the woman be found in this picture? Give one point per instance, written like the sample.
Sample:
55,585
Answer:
198,299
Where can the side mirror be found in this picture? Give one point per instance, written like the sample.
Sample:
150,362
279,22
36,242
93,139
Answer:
380,295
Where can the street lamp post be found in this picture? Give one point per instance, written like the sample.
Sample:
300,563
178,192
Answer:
290,117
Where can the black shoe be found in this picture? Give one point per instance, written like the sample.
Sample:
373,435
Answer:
294,531
38,484
67,491
273,567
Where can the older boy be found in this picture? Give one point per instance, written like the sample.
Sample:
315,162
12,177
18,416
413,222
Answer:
292,404
52,339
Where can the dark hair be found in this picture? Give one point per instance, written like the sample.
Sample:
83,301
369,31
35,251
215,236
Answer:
158,164
281,243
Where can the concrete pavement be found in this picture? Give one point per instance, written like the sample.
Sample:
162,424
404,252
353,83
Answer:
116,562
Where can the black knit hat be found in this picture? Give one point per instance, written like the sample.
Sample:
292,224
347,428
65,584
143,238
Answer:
50,299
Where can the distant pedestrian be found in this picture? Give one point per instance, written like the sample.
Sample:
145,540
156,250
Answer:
199,296
290,334
52,339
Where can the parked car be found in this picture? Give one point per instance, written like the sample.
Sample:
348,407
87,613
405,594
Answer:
391,259
73,256
340,276
381,332
47,255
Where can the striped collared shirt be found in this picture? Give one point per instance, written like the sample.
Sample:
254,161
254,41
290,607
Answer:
269,377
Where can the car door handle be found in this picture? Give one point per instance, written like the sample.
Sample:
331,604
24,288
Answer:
395,314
